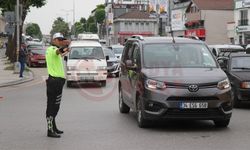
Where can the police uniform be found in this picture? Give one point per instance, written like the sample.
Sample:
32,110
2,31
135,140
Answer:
54,84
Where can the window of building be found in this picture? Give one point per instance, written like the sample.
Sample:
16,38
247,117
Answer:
243,17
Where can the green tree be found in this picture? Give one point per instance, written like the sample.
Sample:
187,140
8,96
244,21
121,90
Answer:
33,30
61,26
100,17
101,6
84,24
91,25
92,28
9,5
78,28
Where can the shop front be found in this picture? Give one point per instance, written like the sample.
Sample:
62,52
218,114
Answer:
200,33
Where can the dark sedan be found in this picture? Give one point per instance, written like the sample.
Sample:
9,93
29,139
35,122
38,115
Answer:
238,71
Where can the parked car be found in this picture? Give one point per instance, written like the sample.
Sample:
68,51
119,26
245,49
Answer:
113,66
166,78
237,67
36,57
118,49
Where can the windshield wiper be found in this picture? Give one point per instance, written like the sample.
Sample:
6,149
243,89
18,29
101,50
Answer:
79,58
95,58
74,58
243,68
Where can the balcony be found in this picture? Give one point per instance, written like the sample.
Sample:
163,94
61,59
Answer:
243,22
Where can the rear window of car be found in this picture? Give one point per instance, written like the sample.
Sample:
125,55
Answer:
86,52
164,55
240,63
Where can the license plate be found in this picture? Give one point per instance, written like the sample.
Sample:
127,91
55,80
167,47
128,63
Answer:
41,62
87,78
193,105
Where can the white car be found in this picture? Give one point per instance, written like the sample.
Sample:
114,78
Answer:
216,49
118,49
86,63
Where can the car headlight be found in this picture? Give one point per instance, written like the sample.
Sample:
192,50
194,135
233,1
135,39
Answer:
225,84
152,84
71,68
245,85
101,68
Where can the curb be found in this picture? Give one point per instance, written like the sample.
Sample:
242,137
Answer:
20,81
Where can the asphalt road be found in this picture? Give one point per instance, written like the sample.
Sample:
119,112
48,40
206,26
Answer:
90,119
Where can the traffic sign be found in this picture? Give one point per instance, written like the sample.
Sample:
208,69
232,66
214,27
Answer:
9,28
9,16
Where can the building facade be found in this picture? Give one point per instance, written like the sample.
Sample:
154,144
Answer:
242,26
209,20
133,23
2,24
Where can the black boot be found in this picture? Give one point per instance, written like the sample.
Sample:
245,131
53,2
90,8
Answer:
51,132
55,127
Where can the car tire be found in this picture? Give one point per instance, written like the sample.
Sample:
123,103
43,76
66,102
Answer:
236,102
124,109
69,84
222,123
117,74
141,121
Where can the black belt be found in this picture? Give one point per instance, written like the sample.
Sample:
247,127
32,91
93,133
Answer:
55,78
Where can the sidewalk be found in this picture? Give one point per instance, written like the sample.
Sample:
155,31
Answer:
7,77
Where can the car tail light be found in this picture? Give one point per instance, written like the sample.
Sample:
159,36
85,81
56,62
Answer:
245,85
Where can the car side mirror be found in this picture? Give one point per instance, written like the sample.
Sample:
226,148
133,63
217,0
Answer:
107,57
66,58
222,62
130,65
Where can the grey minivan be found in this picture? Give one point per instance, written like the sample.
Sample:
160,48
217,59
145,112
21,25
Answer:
166,78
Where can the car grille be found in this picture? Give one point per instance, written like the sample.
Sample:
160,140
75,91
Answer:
177,98
87,74
185,86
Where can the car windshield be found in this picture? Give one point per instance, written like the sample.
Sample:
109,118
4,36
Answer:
108,52
34,46
240,63
38,51
118,50
86,53
181,55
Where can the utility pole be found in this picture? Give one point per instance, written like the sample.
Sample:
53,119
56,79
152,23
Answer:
18,27
17,65
74,31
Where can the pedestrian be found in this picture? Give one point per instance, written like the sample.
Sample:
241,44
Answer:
55,82
22,60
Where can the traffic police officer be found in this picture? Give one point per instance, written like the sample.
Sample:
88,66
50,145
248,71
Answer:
55,81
